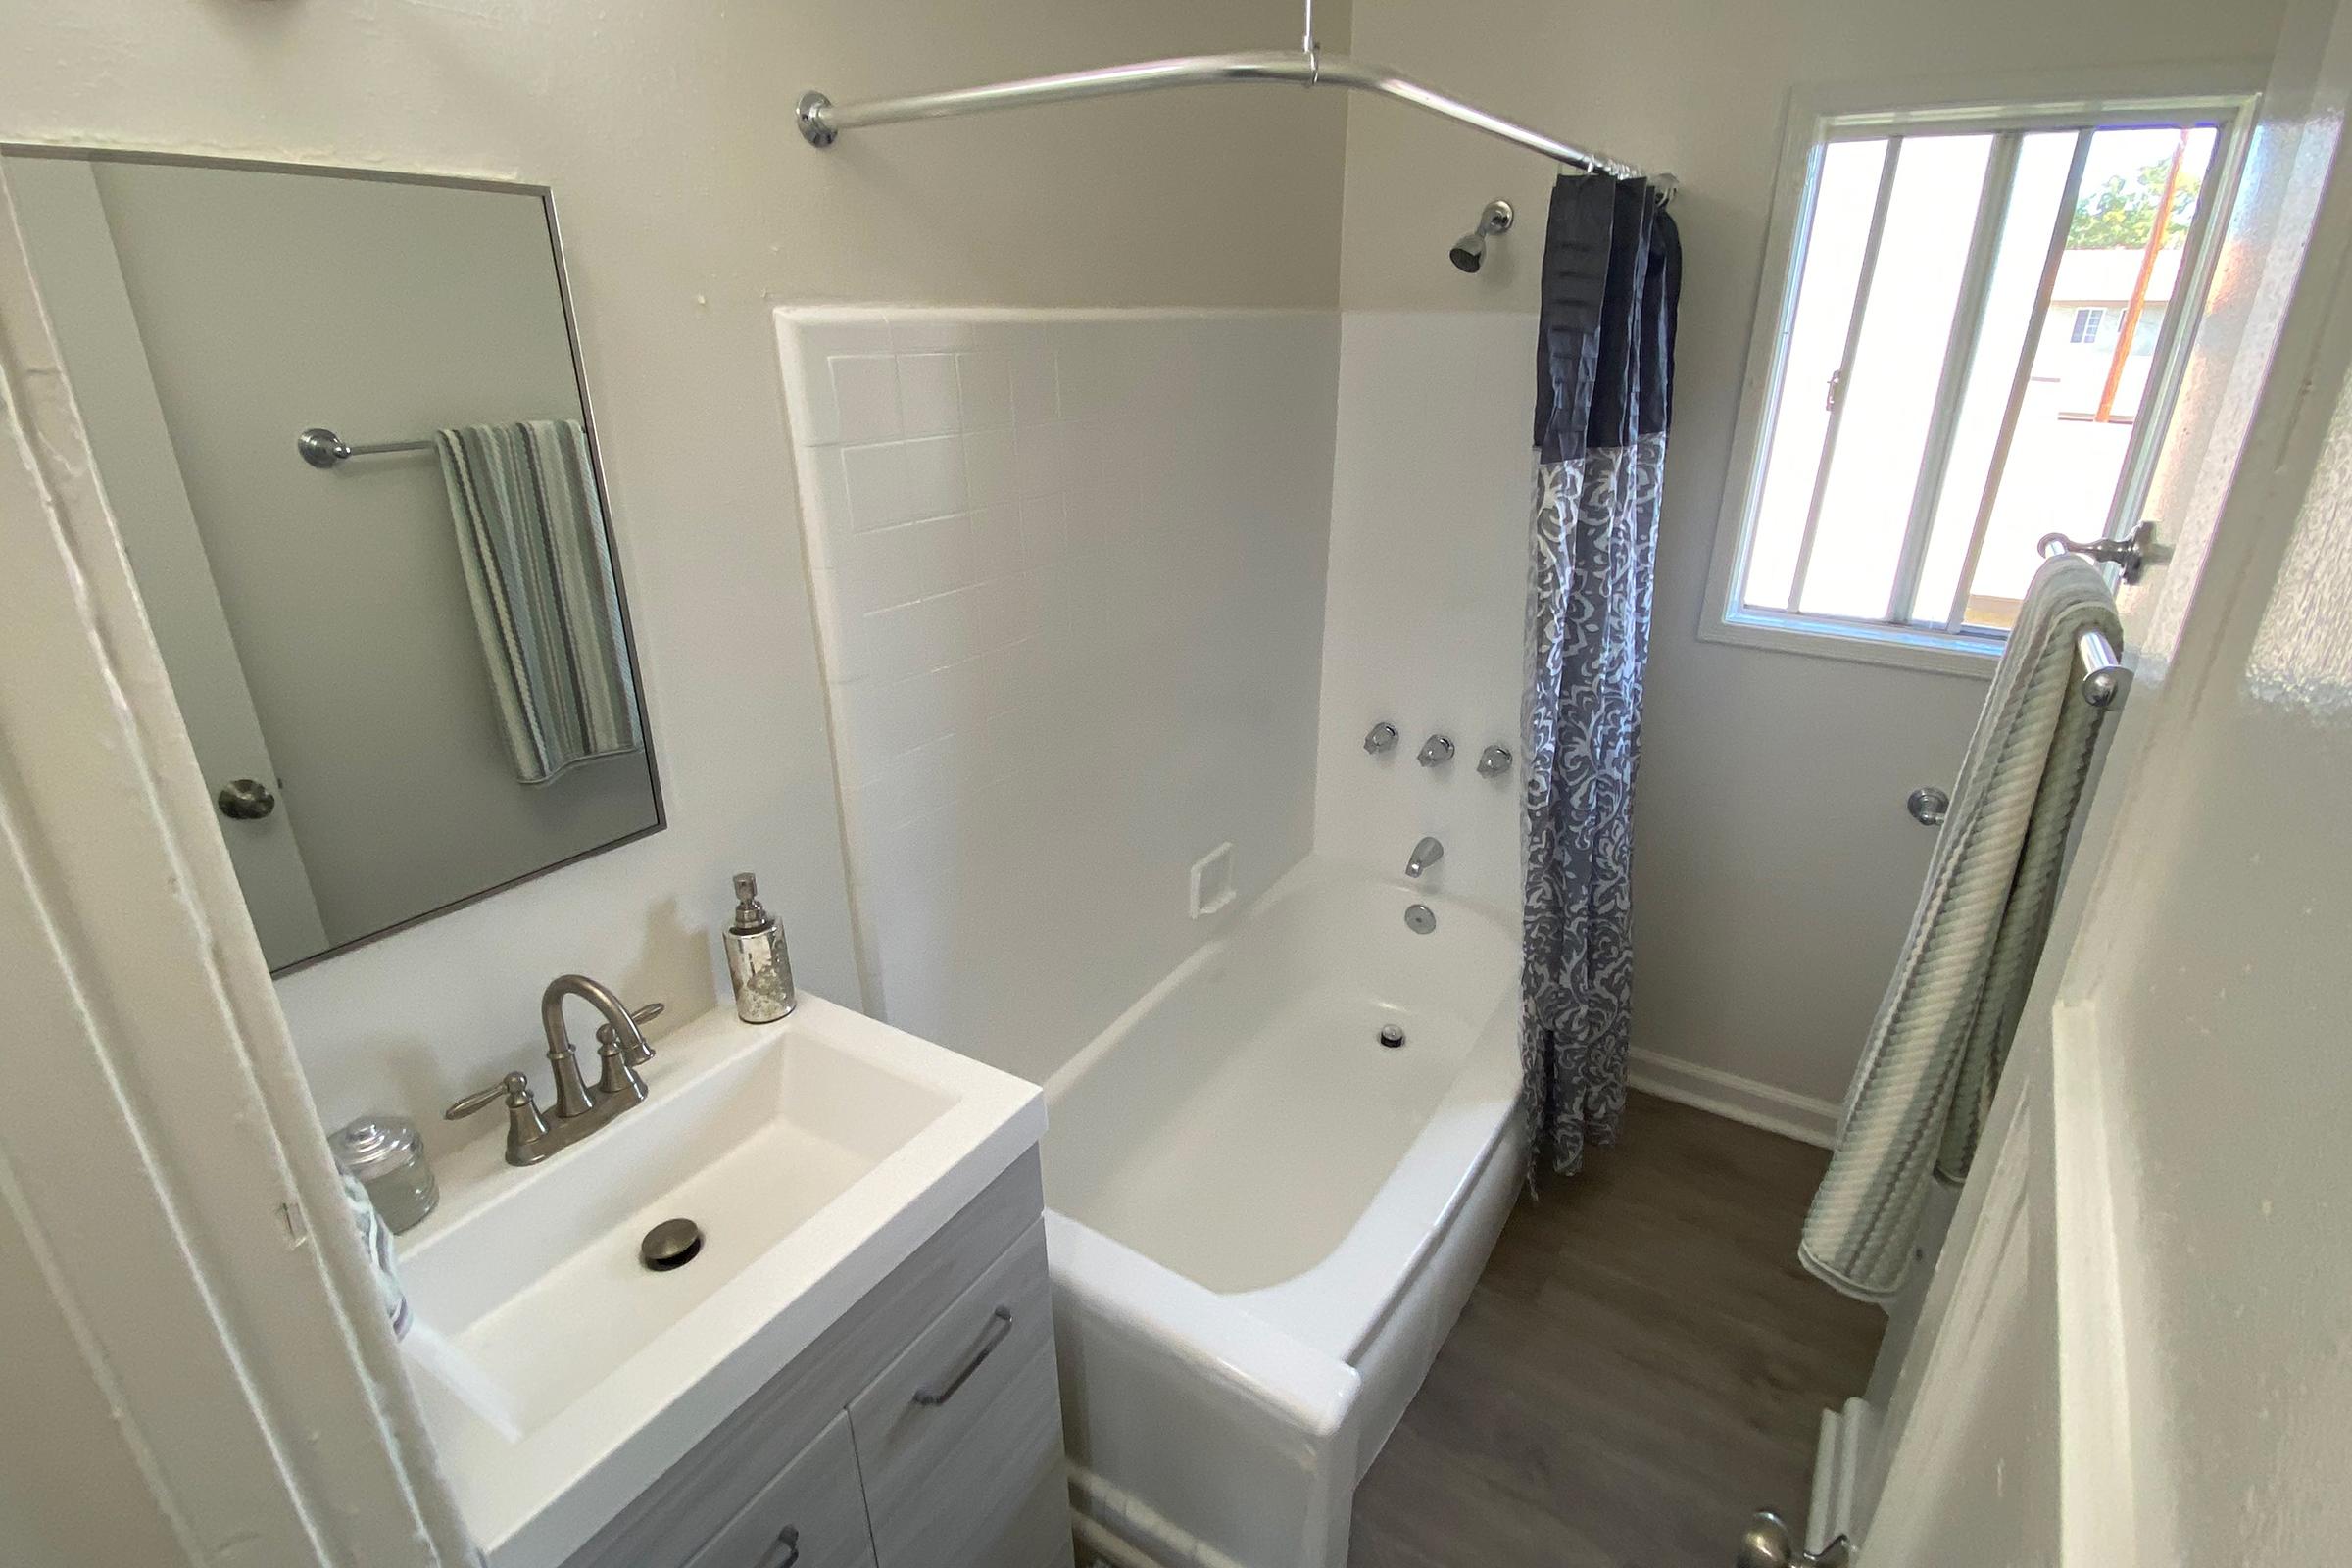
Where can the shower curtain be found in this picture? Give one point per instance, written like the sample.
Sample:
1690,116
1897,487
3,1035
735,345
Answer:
1604,381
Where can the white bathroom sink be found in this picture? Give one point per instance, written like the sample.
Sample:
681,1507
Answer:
559,1375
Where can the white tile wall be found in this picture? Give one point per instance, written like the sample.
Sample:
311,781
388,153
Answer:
1428,583
1069,580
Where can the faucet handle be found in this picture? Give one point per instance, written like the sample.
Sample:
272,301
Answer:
526,1127
637,1055
515,1088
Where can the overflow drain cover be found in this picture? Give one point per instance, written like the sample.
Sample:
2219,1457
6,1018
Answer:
1391,1035
670,1245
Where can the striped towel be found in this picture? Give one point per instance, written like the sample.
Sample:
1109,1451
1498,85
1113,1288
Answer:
375,1240
531,539
1925,1079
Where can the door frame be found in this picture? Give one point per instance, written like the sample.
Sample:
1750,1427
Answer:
159,1147
2283,314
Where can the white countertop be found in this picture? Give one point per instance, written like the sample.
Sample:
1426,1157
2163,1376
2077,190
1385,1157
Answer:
536,1481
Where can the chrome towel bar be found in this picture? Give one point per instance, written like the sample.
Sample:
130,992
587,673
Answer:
324,449
2131,555
2105,680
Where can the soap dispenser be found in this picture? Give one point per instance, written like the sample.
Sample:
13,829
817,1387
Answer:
756,957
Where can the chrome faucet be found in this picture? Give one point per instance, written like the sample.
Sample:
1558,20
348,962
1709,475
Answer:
579,1109
1429,851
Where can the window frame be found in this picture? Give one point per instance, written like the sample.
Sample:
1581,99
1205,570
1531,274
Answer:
2228,94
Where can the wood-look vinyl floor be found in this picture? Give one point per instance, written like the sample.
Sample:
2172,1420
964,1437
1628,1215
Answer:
1642,1365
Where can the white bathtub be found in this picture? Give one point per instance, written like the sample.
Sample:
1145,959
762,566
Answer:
1264,1222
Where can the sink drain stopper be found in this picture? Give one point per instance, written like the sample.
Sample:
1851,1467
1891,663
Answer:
1391,1035
670,1245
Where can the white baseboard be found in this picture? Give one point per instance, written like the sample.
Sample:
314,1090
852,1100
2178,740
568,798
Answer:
1727,1094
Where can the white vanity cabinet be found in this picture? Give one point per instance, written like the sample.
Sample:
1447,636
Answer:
922,1430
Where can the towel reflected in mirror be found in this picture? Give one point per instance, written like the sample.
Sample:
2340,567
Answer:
539,572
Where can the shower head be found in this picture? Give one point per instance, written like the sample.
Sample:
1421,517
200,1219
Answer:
1470,251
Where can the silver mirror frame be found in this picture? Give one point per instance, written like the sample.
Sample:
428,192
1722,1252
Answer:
546,197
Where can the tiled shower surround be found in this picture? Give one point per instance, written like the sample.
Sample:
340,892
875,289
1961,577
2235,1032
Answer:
1069,580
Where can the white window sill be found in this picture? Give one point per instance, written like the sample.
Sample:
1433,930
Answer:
1857,642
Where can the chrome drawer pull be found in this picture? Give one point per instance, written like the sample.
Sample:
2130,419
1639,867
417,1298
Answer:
788,1543
999,1324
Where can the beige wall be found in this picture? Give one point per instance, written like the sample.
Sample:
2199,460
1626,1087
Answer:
1775,869
60,1408
689,206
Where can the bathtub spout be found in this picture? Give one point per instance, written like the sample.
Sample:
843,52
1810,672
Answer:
1429,851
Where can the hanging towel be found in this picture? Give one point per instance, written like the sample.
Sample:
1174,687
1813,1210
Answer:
1929,1068
375,1240
531,539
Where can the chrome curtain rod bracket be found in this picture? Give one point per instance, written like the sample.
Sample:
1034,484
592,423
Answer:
822,121
813,114
321,448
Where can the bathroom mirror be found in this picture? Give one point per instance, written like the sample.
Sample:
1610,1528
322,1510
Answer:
340,420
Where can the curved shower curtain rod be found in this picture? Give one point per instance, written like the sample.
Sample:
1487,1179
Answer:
822,121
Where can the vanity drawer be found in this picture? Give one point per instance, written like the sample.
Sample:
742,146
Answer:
959,1439
812,1515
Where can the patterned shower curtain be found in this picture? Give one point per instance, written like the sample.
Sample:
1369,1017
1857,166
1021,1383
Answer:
1604,381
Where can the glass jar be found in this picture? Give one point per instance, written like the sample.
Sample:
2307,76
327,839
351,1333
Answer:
386,1155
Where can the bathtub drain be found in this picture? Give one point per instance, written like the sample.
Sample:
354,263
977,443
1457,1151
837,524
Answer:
1391,1035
